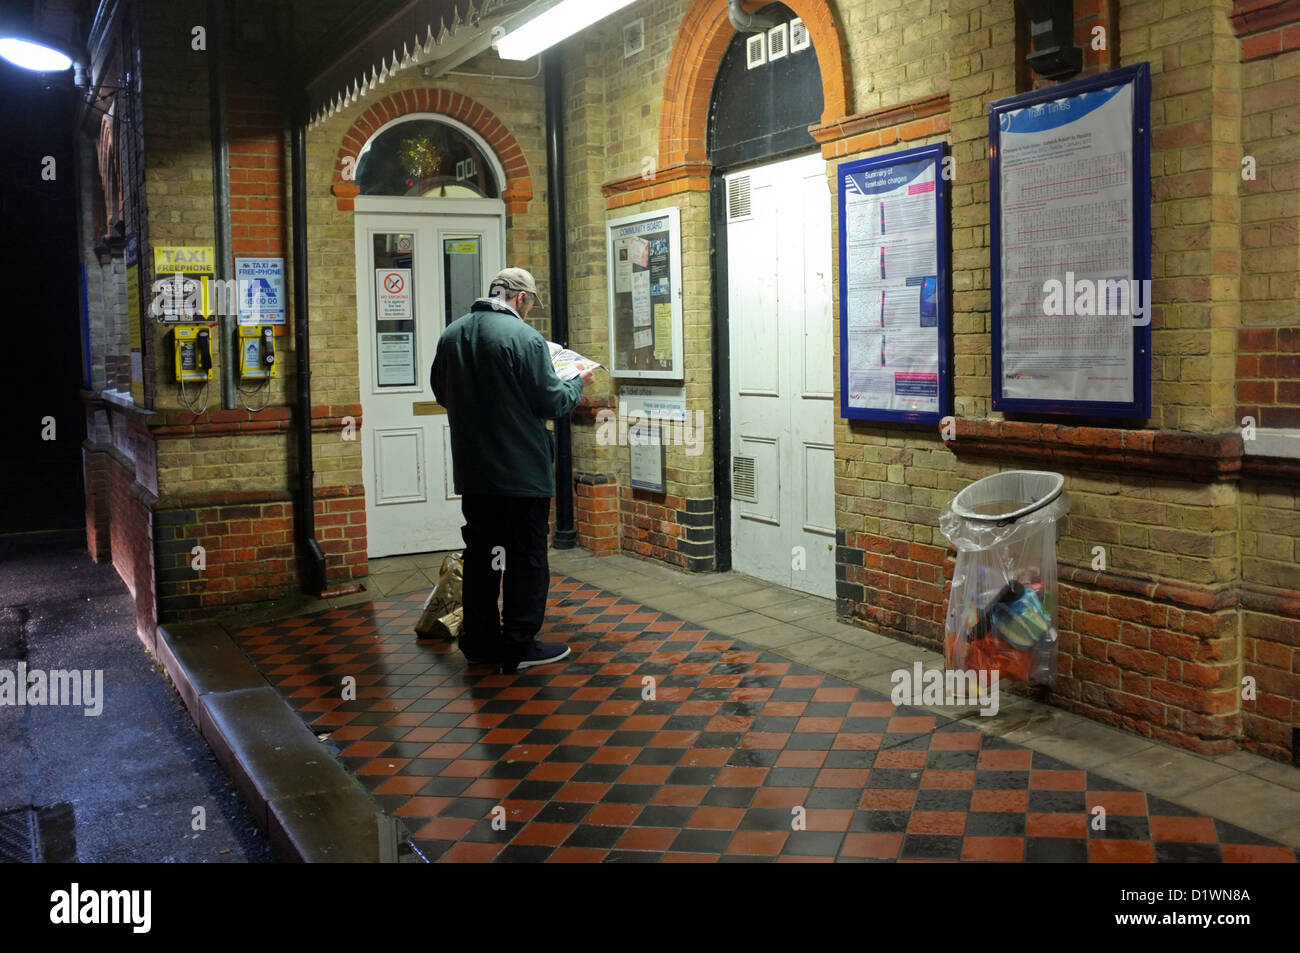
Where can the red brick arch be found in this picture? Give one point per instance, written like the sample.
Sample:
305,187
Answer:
517,190
697,53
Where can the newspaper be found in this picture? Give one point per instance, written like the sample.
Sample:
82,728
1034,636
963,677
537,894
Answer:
569,364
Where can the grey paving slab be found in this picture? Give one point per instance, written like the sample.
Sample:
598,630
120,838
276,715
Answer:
837,658
862,638
650,589
1165,772
403,582
909,653
776,635
1290,836
1021,720
739,623
772,596
729,586
1284,774
705,612
878,682
431,561
1248,801
1088,745
802,608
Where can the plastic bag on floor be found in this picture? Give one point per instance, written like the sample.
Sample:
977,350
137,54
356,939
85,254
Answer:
440,616
1002,607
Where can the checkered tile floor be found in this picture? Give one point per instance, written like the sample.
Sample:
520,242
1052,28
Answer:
742,754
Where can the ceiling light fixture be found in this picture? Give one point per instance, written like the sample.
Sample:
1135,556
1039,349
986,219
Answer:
555,25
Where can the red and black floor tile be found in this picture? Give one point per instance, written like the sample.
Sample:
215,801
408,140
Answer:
659,741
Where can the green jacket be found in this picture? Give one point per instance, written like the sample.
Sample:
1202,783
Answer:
493,373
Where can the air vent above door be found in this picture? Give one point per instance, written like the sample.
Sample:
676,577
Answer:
744,479
756,50
738,199
800,38
778,42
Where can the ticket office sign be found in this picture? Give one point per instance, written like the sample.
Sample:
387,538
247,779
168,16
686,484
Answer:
894,312
1070,183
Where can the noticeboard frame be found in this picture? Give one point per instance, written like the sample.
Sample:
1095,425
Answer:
934,153
1139,75
675,371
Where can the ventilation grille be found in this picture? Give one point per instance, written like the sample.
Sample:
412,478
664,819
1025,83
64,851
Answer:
800,38
756,50
738,199
744,479
778,42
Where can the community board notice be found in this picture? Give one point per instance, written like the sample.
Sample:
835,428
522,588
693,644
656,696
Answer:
1068,294
892,277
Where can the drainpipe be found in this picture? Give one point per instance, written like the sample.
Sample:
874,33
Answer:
749,22
566,537
223,267
315,576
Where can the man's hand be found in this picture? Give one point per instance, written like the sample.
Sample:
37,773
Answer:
588,378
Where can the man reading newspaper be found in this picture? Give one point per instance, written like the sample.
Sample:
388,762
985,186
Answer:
493,373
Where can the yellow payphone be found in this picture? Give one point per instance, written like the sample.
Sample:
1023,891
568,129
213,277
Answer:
256,352
192,347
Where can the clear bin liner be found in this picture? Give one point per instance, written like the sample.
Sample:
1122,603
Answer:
1002,607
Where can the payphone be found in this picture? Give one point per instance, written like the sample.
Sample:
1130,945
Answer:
256,352
192,347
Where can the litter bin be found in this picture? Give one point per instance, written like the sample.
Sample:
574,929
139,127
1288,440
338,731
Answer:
1002,607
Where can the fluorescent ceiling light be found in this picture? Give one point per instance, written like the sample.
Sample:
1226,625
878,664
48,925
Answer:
38,57
558,23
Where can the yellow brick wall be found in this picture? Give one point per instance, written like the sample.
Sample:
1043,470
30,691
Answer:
332,253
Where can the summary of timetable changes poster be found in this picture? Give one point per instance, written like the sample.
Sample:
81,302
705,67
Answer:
893,288
1072,299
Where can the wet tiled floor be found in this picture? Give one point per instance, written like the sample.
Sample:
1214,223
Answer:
741,754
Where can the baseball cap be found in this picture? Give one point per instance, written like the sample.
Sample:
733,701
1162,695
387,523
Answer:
516,279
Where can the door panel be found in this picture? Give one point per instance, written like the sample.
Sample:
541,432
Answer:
415,273
782,397
400,454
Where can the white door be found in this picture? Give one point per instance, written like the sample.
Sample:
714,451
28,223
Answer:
782,374
416,272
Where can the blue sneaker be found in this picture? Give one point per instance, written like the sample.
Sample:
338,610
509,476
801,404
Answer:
543,653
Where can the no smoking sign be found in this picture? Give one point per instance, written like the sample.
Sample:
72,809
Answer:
392,293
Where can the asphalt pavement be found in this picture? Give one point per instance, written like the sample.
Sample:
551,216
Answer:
135,782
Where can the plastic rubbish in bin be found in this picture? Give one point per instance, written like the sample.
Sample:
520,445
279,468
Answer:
1002,607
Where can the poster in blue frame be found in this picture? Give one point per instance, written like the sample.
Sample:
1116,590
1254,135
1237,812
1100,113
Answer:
1070,184
894,309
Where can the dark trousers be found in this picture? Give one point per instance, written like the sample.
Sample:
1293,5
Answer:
505,547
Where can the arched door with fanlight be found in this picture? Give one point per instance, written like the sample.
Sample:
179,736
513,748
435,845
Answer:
430,234
772,227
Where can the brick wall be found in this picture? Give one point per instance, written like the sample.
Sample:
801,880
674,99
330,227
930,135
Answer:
131,541
249,554
596,514
94,465
1268,376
